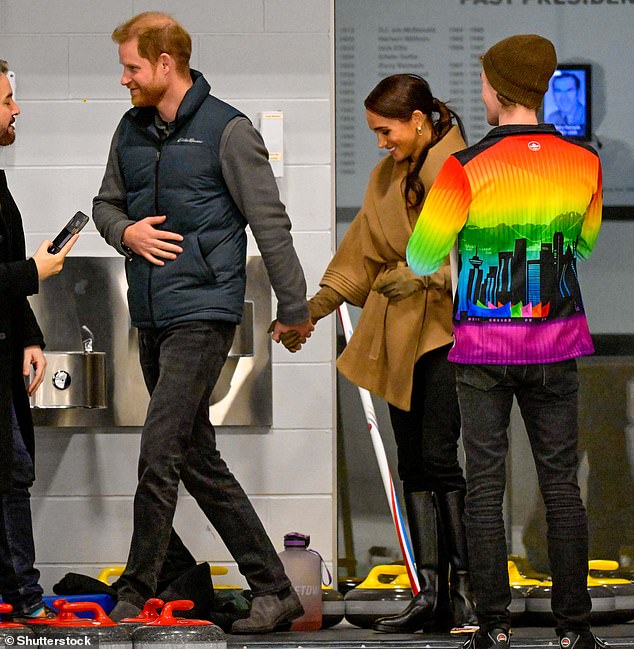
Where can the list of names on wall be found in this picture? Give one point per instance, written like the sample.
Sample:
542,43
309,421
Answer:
443,40
448,57
346,101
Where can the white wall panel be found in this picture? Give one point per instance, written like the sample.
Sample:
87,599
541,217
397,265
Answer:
305,16
80,529
49,196
215,16
306,191
40,64
307,515
241,65
275,462
314,250
94,68
302,398
310,515
65,132
86,464
94,464
70,16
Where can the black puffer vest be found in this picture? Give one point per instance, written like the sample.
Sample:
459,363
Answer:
180,176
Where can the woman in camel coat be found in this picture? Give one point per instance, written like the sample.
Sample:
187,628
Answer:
400,345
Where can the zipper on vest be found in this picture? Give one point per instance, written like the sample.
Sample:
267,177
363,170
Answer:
156,211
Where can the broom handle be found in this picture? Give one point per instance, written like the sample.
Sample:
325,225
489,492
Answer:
384,468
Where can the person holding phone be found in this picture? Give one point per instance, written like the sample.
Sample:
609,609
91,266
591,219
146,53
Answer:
21,344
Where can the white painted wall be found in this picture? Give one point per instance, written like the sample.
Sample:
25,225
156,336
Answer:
258,55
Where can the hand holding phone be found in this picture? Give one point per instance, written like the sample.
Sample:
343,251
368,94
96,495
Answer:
74,226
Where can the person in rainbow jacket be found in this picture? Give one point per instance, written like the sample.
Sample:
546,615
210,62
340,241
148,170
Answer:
521,206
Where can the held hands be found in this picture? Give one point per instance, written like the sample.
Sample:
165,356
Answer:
34,357
325,301
291,336
48,264
151,243
398,283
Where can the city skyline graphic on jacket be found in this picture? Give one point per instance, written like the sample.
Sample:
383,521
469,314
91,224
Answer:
534,279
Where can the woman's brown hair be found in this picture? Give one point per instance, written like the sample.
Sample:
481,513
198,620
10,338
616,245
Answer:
397,97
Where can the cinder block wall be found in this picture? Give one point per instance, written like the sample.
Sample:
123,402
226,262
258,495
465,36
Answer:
259,55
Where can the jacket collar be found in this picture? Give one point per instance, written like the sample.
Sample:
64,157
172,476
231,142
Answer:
522,129
193,98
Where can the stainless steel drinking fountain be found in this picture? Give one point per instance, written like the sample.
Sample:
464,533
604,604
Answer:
93,377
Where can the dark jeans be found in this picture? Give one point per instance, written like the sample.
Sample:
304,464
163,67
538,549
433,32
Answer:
181,365
427,435
547,397
19,579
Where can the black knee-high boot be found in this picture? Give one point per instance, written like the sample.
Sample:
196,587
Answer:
421,515
451,510
443,613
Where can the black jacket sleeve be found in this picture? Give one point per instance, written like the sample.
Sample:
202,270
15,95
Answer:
19,278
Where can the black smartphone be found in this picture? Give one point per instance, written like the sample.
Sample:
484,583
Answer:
72,227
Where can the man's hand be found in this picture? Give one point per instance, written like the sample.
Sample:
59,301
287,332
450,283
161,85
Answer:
292,336
48,264
151,243
34,357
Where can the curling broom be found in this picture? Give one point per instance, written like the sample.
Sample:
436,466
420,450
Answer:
386,476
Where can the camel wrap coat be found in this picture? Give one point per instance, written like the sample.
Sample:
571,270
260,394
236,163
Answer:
391,336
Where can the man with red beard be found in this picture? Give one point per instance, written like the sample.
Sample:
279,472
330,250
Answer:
186,174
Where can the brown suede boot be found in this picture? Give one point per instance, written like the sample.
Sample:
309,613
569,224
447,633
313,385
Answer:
269,612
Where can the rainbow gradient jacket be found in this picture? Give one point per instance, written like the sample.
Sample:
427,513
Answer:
524,203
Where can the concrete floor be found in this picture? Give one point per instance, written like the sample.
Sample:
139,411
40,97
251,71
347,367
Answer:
346,636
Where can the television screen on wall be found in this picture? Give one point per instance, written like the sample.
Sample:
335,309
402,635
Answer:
567,103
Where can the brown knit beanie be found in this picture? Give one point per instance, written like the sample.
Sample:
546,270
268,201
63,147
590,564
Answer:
519,68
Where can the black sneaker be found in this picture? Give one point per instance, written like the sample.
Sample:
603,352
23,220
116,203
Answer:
587,640
494,639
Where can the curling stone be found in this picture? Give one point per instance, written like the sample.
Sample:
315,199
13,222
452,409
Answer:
333,607
538,606
69,629
62,615
525,568
344,586
147,615
105,601
167,631
385,591
605,572
106,574
10,632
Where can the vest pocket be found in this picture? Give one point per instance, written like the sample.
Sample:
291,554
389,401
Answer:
203,269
